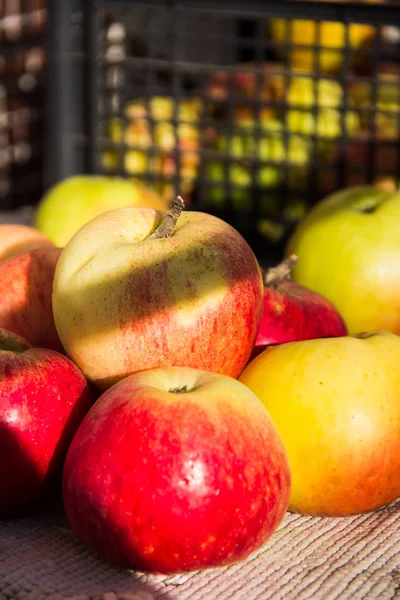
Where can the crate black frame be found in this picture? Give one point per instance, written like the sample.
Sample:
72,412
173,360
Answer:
78,88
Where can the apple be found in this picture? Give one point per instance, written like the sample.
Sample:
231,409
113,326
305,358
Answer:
349,251
43,398
293,312
137,289
16,238
26,282
335,402
76,200
174,470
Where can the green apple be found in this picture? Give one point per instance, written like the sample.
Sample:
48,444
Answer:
349,251
70,204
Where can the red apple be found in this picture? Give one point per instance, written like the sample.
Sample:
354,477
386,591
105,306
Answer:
293,312
138,289
176,469
16,238
26,284
43,398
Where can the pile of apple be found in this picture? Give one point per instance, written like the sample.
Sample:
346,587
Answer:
281,122
151,138
179,398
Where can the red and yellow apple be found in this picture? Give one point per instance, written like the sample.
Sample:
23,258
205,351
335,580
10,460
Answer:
126,300
71,203
292,312
26,282
349,251
43,398
16,238
336,404
174,470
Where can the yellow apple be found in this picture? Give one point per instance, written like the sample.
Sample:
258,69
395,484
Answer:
336,404
68,205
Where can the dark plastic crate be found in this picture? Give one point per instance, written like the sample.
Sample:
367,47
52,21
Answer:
22,66
245,136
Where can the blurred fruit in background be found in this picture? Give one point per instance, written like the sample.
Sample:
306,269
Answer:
71,203
310,106
331,35
263,152
355,155
148,131
242,89
284,151
379,104
255,160
325,120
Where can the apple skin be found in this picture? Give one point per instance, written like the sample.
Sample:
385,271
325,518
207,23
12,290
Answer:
123,303
16,239
293,313
43,398
74,201
26,283
348,248
171,482
335,402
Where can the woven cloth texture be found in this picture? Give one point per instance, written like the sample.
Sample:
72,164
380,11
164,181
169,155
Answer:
307,558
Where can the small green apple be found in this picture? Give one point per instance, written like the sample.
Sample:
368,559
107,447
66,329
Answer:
349,251
70,204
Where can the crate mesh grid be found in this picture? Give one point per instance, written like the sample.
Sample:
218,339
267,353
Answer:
213,65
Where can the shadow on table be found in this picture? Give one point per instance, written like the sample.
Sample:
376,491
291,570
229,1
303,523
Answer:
42,557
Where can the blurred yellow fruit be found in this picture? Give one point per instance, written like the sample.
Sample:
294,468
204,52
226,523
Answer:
151,141
266,156
303,94
379,104
303,34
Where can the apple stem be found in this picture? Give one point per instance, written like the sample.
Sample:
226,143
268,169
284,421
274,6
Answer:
181,390
167,225
274,275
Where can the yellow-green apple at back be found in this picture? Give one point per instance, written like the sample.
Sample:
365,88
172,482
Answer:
336,404
348,250
70,204
125,300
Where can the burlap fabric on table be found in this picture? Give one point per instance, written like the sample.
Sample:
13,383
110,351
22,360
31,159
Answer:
309,558
306,559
